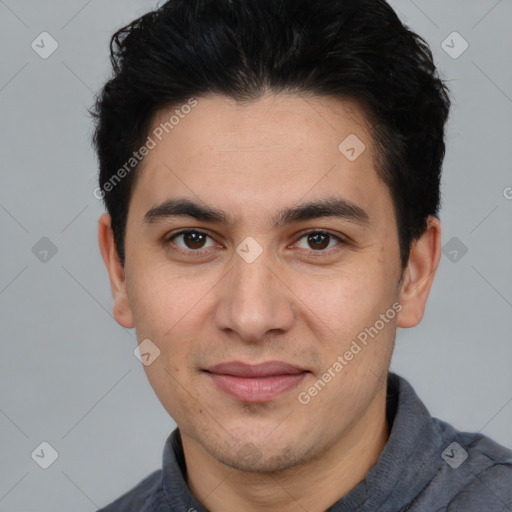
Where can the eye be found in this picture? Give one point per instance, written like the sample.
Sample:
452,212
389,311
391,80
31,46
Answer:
192,240
320,240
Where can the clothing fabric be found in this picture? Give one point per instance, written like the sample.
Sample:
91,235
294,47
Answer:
426,466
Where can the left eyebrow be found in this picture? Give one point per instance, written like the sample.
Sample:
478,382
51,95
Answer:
328,207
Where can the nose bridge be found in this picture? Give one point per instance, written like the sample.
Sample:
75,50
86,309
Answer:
253,300
252,281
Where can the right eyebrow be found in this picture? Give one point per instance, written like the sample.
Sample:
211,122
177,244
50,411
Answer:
185,207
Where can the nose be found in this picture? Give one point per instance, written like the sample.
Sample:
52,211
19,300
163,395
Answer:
255,300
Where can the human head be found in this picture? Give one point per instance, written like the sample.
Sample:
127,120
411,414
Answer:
250,144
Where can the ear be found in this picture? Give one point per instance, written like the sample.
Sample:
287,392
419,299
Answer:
121,308
419,275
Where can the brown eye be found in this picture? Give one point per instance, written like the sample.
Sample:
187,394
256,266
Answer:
320,240
194,240
191,239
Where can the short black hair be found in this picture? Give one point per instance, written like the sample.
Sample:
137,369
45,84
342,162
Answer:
243,49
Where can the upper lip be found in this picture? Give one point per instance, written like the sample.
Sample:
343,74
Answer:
266,369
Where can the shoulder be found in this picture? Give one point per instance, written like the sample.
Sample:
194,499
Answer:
477,474
139,498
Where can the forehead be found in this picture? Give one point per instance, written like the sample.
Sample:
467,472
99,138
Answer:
286,120
254,157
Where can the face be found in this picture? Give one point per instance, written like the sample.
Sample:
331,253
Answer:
254,296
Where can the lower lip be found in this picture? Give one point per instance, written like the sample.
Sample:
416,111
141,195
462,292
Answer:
256,389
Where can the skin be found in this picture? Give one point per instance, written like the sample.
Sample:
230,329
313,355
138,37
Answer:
298,302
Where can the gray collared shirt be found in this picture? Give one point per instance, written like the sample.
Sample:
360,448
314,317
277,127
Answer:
426,466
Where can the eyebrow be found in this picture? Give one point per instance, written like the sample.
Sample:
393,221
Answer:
328,207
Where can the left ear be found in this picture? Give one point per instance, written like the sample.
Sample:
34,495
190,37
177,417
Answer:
419,275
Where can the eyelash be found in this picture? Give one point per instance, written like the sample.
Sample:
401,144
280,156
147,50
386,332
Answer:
200,252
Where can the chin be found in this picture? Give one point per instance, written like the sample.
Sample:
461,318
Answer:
259,454
250,459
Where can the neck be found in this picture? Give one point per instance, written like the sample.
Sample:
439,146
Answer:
332,475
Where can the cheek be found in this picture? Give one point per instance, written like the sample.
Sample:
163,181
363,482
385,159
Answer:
175,390
162,299
346,300
166,312
170,310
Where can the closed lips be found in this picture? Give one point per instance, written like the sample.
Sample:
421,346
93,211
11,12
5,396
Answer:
267,369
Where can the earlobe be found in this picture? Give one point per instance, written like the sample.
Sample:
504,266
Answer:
419,275
121,308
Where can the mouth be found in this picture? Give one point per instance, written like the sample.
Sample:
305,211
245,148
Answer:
256,383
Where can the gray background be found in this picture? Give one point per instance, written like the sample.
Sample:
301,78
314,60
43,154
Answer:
67,371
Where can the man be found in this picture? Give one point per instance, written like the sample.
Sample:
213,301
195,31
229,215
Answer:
271,174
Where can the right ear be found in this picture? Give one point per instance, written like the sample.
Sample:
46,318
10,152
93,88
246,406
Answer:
121,309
